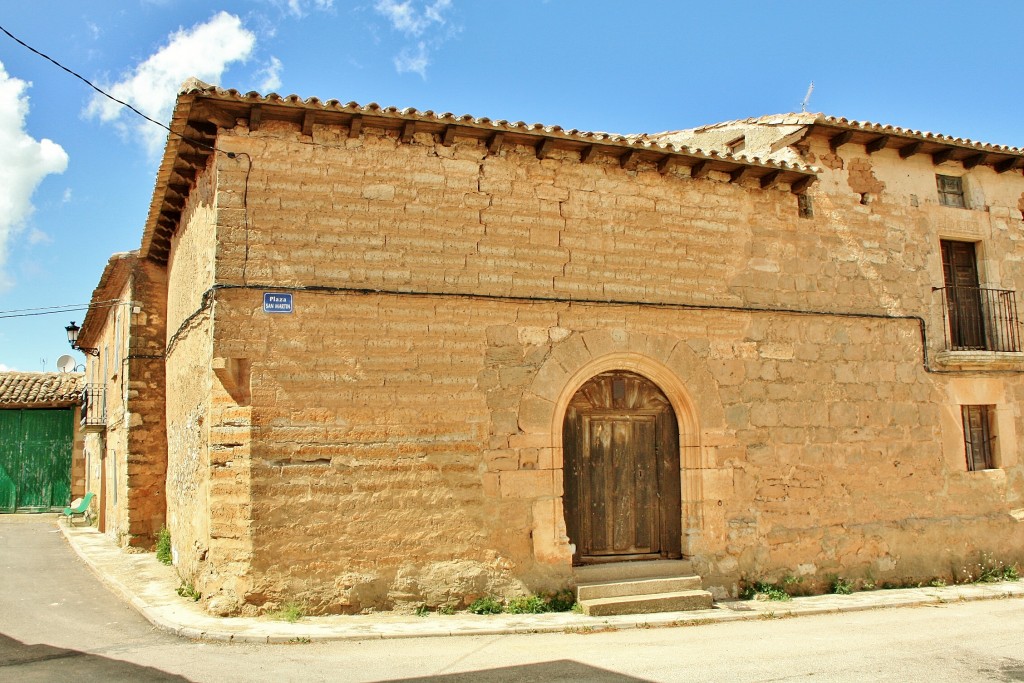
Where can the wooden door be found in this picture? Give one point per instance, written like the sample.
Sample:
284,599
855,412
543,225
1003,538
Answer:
963,297
622,488
35,459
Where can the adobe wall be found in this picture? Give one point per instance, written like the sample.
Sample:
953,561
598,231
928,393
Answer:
404,448
187,380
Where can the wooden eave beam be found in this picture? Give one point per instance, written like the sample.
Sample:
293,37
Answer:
769,180
494,144
877,144
308,119
801,184
628,158
907,151
587,153
1007,165
448,136
667,162
545,147
408,131
700,169
837,141
739,174
973,160
942,156
255,117
354,126
192,160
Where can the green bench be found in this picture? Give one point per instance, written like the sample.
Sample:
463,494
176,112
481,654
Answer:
81,509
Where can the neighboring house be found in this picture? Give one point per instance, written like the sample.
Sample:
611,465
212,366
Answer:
408,357
41,466
123,422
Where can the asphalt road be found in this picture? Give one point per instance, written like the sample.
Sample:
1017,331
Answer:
59,623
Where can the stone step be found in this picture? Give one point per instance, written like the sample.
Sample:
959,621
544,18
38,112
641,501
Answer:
626,571
616,589
679,601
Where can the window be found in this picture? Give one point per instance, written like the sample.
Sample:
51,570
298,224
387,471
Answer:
804,206
736,144
951,191
978,437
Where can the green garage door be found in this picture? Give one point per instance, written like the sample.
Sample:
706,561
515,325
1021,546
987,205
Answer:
35,459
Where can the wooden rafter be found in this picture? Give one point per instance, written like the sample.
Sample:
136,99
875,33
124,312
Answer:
448,137
769,179
255,117
494,144
628,158
700,169
587,153
907,151
801,184
1007,165
307,122
354,126
408,131
942,156
973,160
545,147
666,162
877,145
837,141
739,174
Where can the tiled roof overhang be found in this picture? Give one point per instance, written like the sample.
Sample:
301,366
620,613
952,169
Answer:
202,110
40,389
112,281
907,142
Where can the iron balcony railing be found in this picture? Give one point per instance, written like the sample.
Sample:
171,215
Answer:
94,406
980,319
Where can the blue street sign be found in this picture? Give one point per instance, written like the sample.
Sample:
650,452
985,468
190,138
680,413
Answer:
277,302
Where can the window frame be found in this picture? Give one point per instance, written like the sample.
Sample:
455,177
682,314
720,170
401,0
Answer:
951,191
979,436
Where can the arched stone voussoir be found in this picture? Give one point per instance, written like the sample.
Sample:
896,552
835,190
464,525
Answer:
535,414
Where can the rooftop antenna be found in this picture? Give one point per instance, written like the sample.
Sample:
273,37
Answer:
807,98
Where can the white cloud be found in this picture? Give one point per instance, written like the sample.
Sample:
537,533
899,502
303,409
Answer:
299,7
4,368
412,20
24,162
271,75
416,62
424,21
204,51
66,197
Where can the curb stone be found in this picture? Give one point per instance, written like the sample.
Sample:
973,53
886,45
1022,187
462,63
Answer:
149,587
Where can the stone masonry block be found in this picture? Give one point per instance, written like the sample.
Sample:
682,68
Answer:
527,484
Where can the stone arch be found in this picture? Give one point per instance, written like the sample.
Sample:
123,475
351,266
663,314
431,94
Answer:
668,362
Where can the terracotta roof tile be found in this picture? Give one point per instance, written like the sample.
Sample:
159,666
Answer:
38,389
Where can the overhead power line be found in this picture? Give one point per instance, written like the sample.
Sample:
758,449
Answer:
103,92
50,310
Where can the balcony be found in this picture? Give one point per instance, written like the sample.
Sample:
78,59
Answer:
94,408
981,327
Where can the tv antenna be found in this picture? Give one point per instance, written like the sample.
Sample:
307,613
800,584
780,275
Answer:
807,98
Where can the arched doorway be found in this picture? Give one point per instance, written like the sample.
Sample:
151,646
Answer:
621,471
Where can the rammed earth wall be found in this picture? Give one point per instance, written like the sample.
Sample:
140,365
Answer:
397,438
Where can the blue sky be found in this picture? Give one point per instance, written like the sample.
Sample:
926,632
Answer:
76,174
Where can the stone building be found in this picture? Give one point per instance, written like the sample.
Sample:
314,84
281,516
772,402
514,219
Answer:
123,416
405,357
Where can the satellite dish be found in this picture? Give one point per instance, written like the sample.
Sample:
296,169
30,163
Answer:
66,363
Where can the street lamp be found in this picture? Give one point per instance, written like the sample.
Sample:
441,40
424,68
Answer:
73,331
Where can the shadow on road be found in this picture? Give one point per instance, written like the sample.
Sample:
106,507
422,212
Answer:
558,670
25,663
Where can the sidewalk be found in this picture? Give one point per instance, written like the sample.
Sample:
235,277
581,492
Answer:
150,587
